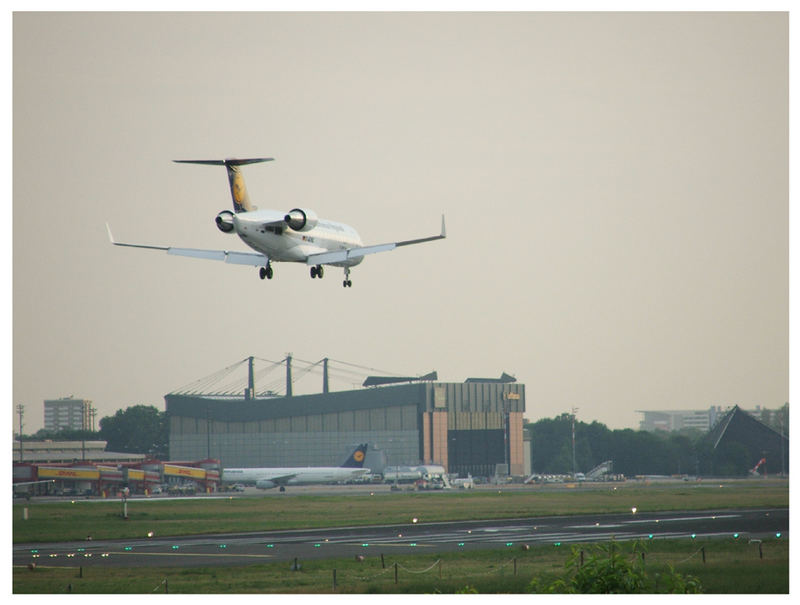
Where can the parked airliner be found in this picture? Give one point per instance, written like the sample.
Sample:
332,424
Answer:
298,236
267,478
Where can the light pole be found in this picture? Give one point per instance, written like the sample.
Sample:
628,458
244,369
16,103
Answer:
574,411
21,412
783,453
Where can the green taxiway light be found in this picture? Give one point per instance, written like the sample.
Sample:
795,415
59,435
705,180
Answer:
223,546
461,544
736,536
413,544
509,544
650,536
557,544
317,545
35,550
175,547
129,548
694,536
778,535
270,546
365,544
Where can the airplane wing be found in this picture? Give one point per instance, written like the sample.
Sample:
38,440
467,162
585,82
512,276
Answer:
228,256
278,479
343,255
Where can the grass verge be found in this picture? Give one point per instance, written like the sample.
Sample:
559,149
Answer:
731,567
66,521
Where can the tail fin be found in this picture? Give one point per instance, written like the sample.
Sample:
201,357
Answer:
356,459
241,200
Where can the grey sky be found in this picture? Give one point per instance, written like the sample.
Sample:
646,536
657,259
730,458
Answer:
615,186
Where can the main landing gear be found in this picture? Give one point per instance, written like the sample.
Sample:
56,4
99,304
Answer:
317,271
265,272
347,283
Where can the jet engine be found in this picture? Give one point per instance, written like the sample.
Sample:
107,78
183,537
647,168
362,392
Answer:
265,484
224,221
301,220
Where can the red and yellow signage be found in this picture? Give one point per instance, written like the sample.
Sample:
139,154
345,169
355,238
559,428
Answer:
49,472
184,471
135,474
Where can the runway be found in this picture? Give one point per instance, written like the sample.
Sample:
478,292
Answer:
244,549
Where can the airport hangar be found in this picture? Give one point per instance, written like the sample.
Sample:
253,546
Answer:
471,427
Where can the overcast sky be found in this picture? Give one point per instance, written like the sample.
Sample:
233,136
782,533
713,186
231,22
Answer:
615,187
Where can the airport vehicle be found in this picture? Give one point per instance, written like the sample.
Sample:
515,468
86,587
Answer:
296,236
401,474
267,478
464,483
425,475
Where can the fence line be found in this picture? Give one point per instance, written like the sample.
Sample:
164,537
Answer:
423,571
367,578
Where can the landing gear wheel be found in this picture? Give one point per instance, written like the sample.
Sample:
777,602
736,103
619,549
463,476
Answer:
317,271
269,271
347,283
282,488
265,272
313,272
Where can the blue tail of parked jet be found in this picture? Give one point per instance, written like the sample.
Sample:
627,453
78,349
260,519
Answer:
356,459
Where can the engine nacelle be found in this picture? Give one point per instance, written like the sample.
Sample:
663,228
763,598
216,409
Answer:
265,484
300,219
224,221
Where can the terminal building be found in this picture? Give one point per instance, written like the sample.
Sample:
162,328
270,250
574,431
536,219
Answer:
472,427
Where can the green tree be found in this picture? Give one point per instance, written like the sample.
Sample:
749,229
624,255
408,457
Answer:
139,429
606,570
62,435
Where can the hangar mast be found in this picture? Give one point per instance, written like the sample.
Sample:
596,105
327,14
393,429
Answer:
471,427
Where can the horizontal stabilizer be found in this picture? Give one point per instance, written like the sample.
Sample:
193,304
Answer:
228,162
241,200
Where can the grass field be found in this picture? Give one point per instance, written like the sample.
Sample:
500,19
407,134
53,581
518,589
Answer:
62,521
731,567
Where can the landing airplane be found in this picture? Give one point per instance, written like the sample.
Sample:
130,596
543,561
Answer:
298,236
267,478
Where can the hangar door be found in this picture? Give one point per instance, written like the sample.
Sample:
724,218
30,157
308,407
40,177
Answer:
475,451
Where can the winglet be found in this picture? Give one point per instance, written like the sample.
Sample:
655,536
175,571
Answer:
110,237
423,239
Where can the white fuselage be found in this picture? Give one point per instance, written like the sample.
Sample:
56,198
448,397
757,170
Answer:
258,230
298,475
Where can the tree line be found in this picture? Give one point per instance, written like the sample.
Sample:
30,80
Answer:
684,452
138,429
